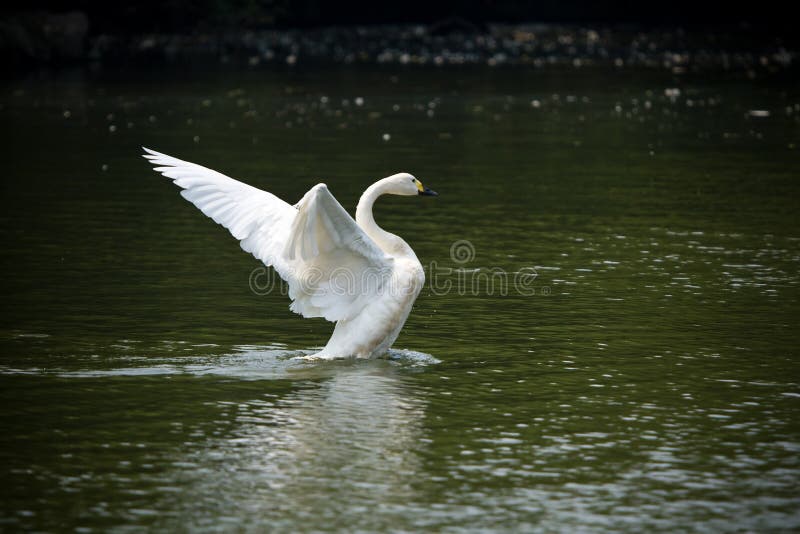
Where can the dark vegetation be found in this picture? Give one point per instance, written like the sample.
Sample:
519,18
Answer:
49,32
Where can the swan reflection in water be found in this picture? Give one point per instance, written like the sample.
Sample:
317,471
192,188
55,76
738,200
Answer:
329,449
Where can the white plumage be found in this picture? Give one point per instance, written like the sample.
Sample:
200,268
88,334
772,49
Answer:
348,271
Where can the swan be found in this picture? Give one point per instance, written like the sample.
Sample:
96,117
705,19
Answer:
351,272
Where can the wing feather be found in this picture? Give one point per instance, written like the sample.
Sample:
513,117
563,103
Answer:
332,267
341,268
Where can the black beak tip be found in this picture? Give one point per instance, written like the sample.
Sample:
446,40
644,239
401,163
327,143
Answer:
429,193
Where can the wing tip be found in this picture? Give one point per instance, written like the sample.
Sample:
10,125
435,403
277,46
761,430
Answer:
151,155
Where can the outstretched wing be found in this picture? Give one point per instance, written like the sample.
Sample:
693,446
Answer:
332,267
337,267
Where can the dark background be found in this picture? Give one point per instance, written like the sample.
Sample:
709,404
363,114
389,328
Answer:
107,16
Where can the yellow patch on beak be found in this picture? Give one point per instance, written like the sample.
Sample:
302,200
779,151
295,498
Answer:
419,186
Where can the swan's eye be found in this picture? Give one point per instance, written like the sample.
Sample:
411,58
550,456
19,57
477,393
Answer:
414,180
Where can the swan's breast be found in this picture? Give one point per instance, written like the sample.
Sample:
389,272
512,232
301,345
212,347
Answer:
373,331
408,278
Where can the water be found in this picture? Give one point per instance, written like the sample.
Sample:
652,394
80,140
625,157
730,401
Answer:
608,342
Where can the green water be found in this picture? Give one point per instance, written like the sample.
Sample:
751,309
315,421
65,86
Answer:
647,378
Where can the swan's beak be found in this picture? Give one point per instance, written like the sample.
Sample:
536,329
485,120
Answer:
428,193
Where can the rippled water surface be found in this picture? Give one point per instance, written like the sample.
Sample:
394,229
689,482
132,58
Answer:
608,340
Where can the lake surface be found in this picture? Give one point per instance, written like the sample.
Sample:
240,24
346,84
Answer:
608,341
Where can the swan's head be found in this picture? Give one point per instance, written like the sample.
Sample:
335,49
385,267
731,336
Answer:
405,184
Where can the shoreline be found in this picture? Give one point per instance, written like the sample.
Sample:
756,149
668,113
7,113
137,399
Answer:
676,50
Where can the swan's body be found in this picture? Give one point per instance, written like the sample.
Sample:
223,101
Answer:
348,271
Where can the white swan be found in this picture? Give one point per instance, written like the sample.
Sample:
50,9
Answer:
348,271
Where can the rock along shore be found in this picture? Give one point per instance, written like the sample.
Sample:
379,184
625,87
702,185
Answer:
55,39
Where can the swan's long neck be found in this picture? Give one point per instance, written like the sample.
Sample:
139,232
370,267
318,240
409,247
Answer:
389,243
